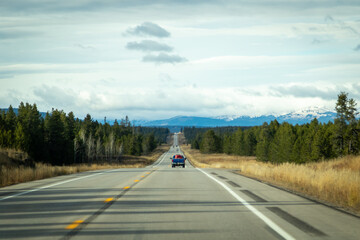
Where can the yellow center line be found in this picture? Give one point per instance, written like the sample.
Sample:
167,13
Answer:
74,224
136,180
127,187
109,199
142,176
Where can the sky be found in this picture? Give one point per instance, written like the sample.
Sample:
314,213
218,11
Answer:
160,58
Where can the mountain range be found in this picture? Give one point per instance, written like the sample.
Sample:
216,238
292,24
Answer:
298,117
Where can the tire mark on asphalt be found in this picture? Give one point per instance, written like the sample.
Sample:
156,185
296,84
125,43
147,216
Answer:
221,177
234,184
253,196
303,226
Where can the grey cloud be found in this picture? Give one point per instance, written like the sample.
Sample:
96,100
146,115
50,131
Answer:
148,29
313,29
357,48
329,18
148,46
305,91
85,47
17,34
164,58
318,41
341,24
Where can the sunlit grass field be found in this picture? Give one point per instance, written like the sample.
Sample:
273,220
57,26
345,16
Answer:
336,182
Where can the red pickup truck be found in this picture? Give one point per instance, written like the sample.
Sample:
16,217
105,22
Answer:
178,160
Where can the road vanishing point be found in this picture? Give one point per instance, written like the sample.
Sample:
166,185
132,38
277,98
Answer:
160,202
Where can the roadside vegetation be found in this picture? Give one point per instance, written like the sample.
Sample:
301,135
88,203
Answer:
61,139
282,142
35,146
320,160
13,171
336,182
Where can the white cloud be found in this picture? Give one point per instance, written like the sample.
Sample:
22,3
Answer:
243,57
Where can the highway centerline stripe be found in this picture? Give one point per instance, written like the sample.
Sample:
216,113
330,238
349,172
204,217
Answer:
265,219
92,217
109,199
75,224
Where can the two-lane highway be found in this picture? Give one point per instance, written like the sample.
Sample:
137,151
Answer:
160,202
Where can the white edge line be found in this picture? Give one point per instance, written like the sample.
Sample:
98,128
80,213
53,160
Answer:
270,223
54,184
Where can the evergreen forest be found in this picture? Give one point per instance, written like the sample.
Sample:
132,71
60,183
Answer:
61,139
278,143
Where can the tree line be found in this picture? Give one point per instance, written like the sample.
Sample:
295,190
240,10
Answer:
284,142
60,138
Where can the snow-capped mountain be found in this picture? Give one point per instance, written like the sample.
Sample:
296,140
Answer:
298,117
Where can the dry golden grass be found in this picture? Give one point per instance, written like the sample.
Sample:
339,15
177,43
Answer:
336,182
17,174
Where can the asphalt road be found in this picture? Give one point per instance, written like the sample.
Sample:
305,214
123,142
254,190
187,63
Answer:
160,202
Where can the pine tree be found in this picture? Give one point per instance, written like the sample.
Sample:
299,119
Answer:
19,137
55,138
227,144
238,143
69,124
346,131
282,145
210,143
250,142
32,124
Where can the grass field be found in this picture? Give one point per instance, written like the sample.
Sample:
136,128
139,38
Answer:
336,182
16,170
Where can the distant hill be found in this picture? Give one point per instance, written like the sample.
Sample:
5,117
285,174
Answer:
175,123
16,111
300,117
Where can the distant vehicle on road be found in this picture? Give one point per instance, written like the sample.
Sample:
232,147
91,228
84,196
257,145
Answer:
178,160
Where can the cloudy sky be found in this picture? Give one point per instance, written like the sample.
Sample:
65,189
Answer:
162,58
